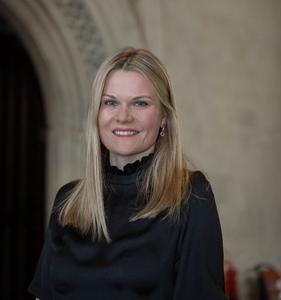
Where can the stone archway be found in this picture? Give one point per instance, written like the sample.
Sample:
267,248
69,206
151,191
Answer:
66,48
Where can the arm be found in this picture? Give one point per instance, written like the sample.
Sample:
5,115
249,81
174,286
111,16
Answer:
40,284
199,267
40,279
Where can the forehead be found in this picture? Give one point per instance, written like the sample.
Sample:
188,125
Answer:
128,82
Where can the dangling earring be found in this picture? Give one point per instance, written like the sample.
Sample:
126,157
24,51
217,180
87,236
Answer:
162,131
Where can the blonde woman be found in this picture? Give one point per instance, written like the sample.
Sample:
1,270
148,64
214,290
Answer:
139,224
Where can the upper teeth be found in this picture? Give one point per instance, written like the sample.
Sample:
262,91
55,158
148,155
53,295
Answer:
125,132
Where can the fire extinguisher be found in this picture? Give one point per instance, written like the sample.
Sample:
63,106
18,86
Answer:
269,282
230,283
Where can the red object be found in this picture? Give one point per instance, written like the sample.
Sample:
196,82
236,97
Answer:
270,282
230,284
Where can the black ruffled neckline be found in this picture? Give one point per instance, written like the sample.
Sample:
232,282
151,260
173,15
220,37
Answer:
130,168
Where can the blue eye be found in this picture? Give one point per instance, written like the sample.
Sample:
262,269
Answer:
110,102
140,103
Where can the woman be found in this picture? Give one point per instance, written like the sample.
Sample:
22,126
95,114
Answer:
139,224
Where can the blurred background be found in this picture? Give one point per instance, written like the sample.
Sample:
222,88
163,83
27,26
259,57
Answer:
224,59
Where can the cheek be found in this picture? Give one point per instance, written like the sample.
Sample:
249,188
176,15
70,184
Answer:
152,125
103,119
102,125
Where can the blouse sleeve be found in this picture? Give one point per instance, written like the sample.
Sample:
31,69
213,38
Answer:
199,267
40,285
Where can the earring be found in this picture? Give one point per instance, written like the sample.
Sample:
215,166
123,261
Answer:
162,131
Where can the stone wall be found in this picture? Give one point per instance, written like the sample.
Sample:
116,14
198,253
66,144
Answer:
224,60
225,63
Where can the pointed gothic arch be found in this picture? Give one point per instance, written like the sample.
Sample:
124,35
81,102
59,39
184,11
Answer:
66,48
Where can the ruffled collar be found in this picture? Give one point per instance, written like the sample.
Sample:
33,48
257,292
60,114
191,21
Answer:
130,168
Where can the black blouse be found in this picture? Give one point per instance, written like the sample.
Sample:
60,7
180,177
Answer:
147,259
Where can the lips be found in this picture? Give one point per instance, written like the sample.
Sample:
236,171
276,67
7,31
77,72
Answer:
125,132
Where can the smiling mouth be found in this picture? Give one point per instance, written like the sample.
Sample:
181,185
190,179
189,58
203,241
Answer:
125,132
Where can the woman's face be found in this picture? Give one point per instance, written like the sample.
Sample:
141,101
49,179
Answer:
129,118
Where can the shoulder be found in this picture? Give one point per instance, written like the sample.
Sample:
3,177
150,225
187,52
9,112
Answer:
199,186
199,222
199,204
65,191
199,215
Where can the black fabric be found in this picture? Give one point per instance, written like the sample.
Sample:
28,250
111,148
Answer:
148,259
130,168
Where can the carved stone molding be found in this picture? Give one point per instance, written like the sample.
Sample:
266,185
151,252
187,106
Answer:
79,21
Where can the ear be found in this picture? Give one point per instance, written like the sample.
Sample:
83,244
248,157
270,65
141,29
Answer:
164,121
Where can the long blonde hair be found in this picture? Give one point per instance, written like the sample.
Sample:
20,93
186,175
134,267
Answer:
165,179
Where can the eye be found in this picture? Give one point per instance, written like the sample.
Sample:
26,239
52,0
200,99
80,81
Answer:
110,102
140,103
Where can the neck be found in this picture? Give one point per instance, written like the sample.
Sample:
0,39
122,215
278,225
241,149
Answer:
121,161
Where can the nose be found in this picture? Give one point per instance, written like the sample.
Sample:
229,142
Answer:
124,114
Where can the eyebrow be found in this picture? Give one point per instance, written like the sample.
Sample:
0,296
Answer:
108,95
135,98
